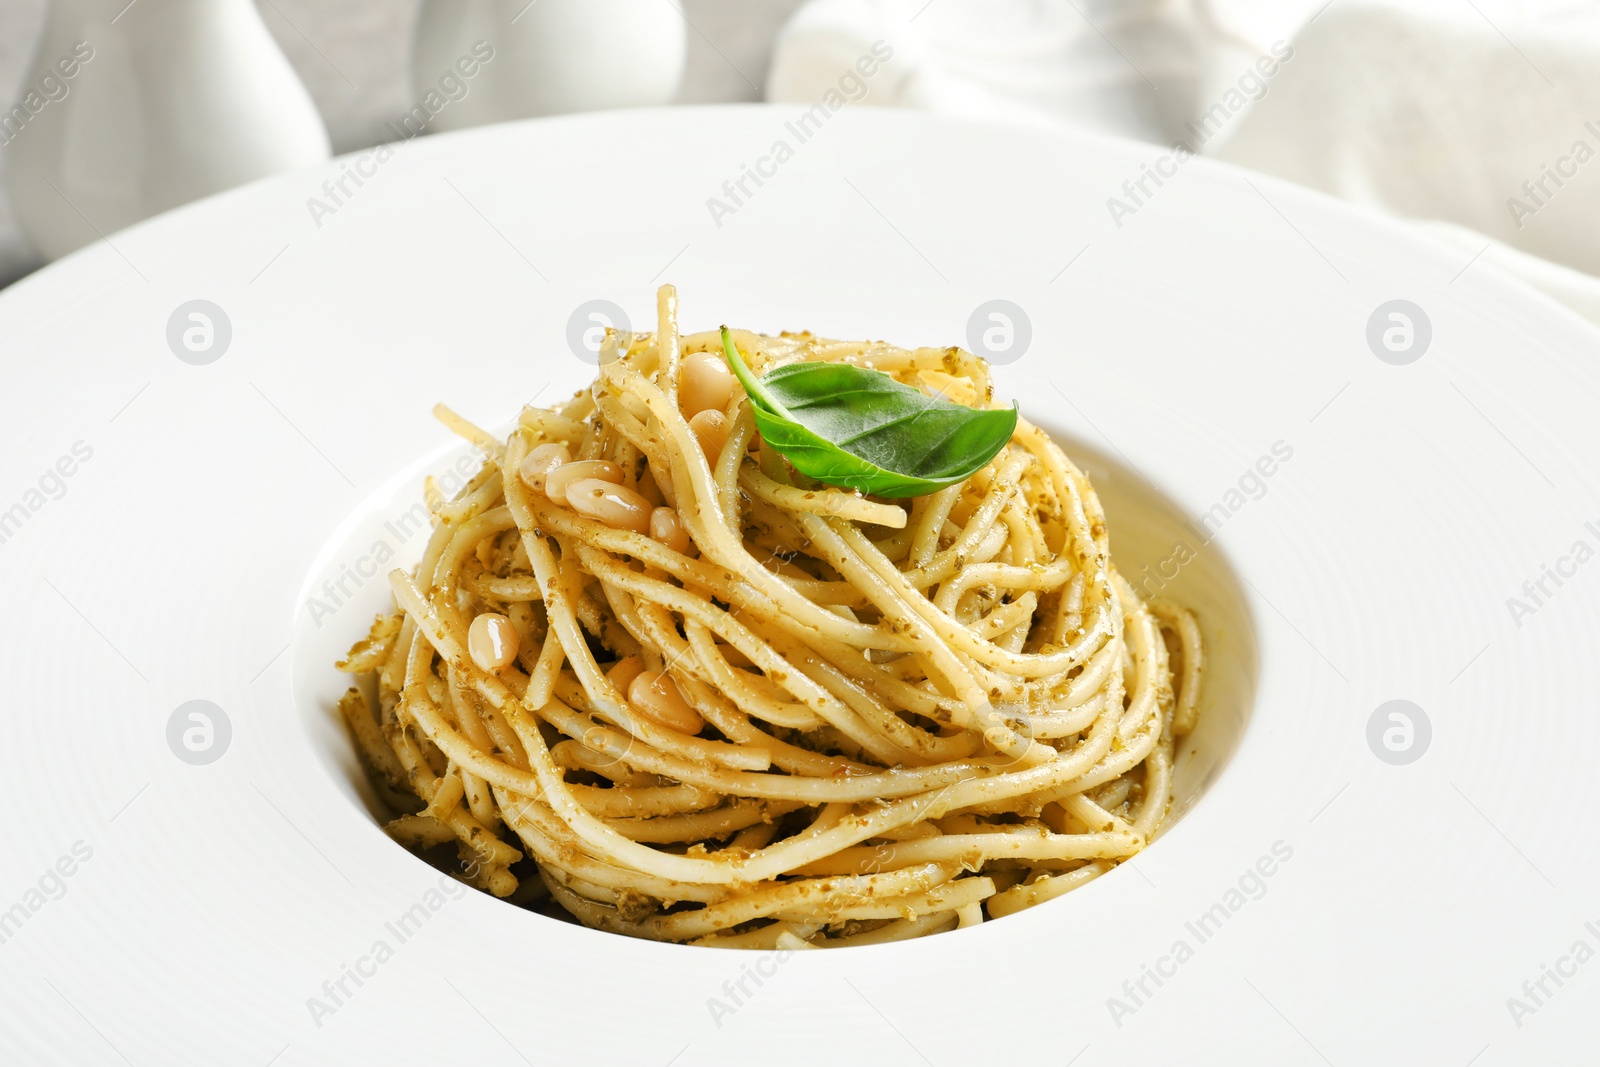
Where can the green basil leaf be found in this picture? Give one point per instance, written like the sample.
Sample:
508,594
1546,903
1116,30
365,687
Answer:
860,429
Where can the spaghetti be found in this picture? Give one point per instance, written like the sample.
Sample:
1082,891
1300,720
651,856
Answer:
647,675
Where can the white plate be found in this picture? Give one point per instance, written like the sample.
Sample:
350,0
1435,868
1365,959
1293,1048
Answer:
1405,903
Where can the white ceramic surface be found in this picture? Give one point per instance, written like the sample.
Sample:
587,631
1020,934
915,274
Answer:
166,101
164,518
550,57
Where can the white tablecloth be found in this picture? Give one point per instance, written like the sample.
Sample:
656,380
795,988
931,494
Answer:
1478,118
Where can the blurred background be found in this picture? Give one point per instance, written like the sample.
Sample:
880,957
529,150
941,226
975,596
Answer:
1473,118
354,56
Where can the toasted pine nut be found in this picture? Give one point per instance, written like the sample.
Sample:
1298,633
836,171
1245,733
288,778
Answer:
624,671
615,505
657,697
492,641
540,462
711,427
704,383
556,482
666,527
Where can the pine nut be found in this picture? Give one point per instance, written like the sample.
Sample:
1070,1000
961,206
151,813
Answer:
615,505
540,462
711,427
492,641
657,697
666,527
704,383
624,671
556,482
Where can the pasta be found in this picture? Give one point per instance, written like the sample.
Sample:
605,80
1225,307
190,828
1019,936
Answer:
649,677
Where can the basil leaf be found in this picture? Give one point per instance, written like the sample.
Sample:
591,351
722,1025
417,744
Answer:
860,429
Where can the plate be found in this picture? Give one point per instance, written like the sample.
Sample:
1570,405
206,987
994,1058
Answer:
1377,455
